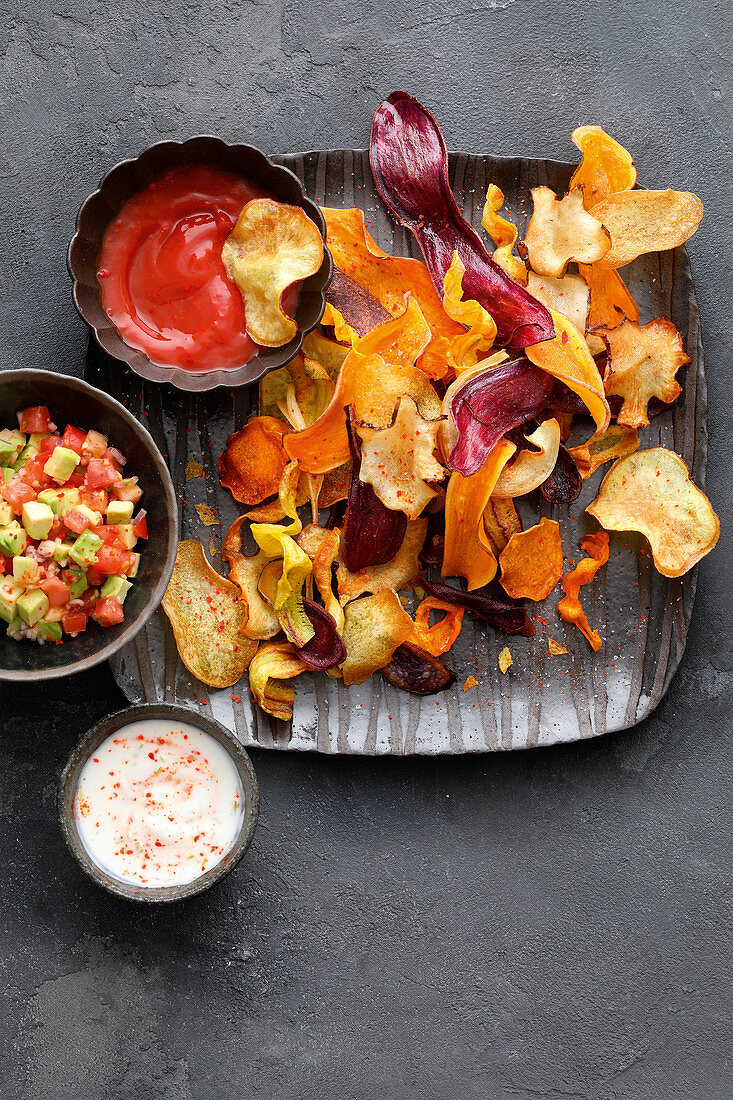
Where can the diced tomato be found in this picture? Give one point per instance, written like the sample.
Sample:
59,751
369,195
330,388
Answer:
74,439
6,564
37,419
140,525
127,490
49,444
74,622
17,493
94,577
76,480
101,473
95,444
108,611
108,533
96,499
56,590
77,521
111,562
57,530
32,472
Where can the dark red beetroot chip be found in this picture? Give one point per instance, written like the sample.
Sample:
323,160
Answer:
564,483
415,670
326,648
500,611
410,167
356,305
373,533
492,403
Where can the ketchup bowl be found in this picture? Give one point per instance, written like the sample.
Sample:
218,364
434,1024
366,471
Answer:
71,401
131,177
156,824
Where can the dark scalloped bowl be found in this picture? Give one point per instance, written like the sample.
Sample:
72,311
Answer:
131,175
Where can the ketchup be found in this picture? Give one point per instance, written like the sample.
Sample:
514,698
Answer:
162,279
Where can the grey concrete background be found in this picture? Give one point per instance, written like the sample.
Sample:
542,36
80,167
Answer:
554,924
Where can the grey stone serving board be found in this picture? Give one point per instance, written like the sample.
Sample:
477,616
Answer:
643,618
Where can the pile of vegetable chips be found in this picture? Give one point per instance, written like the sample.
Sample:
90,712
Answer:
433,396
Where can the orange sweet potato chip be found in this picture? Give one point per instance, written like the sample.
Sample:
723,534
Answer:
273,663
617,441
468,551
439,637
605,167
389,279
647,221
567,358
643,361
503,233
209,619
531,562
651,492
561,230
569,607
374,626
272,246
254,460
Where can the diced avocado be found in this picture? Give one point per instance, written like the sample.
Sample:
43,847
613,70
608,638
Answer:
116,586
62,551
25,570
68,499
84,551
128,538
13,539
51,498
49,631
11,445
88,513
14,625
29,451
37,519
61,464
76,579
136,565
119,511
32,605
35,439
6,513
8,474
9,593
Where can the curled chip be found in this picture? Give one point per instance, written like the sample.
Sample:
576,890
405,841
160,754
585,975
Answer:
254,460
568,295
246,572
504,235
569,607
468,551
564,484
398,461
610,301
531,562
413,669
325,649
374,626
561,230
605,168
529,469
373,377
501,521
651,492
643,361
568,359
272,246
617,441
400,572
439,637
355,305
647,221
303,386
467,348
321,544
209,619
274,662
327,352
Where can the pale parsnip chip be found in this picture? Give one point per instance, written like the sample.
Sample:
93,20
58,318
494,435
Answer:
530,468
272,246
617,441
398,461
651,492
568,295
561,230
374,626
647,221
643,361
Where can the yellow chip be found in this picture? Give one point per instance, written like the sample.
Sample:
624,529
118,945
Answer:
505,660
274,662
504,235
374,626
647,221
398,461
568,295
617,441
207,515
555,649
561,230
643,361
529,469
606,166
246,572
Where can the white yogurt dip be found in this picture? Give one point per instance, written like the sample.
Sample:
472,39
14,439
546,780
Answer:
158,803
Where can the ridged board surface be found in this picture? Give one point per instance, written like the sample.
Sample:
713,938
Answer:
642,617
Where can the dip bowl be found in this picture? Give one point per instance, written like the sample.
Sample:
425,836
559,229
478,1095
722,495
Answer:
130,176
91,741
70,400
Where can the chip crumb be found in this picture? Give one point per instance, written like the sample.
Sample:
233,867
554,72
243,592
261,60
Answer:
505,659
555,648
207,516
212,546
471,682
193,469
